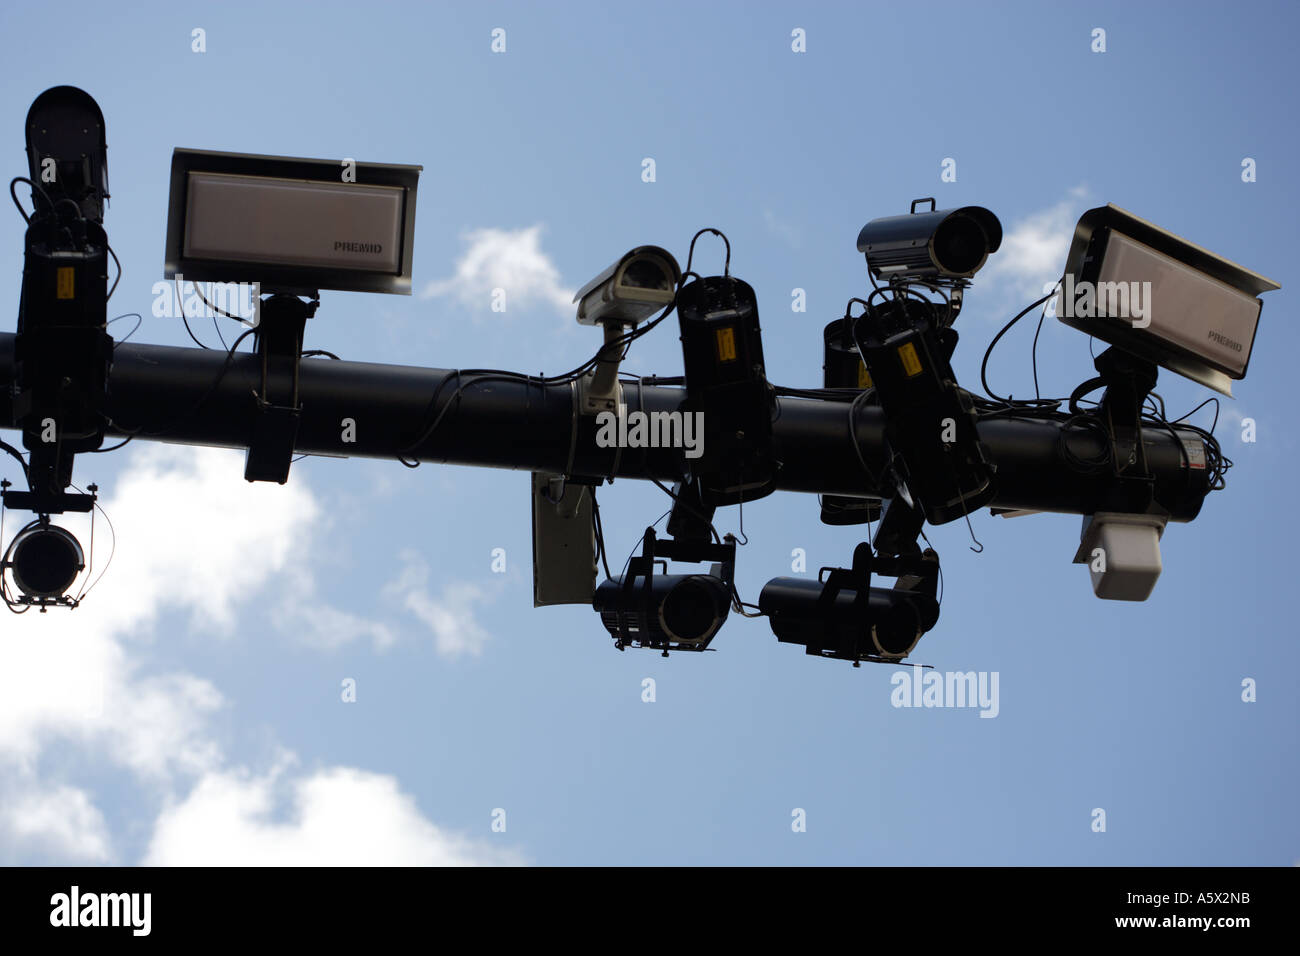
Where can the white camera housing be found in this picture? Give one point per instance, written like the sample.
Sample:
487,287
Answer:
638,285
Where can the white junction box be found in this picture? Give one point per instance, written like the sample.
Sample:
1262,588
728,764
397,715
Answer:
1122,552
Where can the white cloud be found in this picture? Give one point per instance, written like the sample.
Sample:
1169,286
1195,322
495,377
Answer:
191,535
512,260
783,230
337,817
450,616
1033,250
60,820
327,628
200,536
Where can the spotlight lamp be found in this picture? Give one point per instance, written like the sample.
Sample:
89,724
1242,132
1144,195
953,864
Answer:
666,612
722,350
842,616
43,562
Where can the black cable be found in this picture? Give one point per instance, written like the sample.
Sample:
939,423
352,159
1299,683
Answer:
5,446
1087,466
454,399
1217,464
193,338
310,353
100,451
1034,352
823,394
690,253
600,533
180,306
1082,389
139,321
989,351
119,270
112,550
668,491
857,446
204,300
640,540
484,375
36,188
1198,408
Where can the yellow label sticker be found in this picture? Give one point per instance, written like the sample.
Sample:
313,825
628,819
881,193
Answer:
66,283
911,361
864,377
726,344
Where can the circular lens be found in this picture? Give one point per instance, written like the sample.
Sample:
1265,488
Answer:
46,561
960,246
895,630
690,612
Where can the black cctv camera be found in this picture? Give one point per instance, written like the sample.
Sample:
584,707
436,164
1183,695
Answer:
943,243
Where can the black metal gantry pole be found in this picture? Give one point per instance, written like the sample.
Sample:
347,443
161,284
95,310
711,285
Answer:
164,393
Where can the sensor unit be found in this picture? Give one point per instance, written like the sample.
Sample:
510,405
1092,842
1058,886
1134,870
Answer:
1160,297
294,225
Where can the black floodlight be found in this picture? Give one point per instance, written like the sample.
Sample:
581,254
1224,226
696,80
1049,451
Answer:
295,225
842,367
842,615
679,612
942,243
931,422
669,611
1154,294
45,561
722,350
638,285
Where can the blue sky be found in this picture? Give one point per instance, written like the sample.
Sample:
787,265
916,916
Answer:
190,711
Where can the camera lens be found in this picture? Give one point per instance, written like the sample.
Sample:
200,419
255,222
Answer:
960,246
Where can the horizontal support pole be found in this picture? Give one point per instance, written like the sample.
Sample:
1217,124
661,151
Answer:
167,393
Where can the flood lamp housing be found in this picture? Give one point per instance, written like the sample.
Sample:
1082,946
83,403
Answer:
295,225
1152,293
